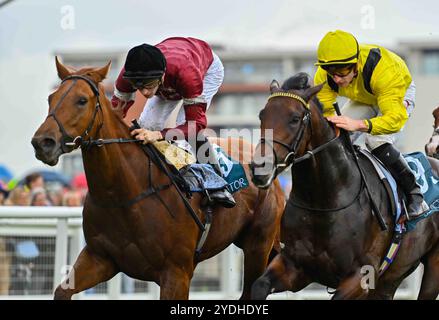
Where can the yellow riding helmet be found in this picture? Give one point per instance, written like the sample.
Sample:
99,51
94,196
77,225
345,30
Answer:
337,47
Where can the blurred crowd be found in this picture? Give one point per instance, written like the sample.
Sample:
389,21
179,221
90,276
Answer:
35,191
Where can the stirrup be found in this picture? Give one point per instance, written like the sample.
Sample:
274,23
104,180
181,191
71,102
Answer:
422,209
226,201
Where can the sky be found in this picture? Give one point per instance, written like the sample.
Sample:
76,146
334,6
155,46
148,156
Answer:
32,30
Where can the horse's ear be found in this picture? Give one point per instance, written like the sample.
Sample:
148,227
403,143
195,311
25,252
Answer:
101,73
310,92
63,71
274,86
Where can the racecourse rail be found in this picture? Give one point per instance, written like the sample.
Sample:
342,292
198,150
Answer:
64,225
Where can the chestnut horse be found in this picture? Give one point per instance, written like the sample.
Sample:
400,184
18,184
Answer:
432,147
328,232
129,227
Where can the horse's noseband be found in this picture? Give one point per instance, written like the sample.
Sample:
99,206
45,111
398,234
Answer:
67,140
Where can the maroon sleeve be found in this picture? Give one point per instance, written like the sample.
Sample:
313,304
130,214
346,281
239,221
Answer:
123,91
123,85
115,101
195,113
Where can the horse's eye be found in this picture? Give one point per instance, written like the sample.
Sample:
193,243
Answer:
82,101
261,114
294,120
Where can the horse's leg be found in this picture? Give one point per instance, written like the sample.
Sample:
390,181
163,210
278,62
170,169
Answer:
88,271
351,288
430,280
261,242
384,291
174,283
281,275
255,262
257,248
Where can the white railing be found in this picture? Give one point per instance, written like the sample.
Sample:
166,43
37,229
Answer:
65,223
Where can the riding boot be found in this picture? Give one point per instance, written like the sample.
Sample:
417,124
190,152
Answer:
400,170
223,197
206,154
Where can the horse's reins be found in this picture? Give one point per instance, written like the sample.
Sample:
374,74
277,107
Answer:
292,148
375,211
292,151
69,141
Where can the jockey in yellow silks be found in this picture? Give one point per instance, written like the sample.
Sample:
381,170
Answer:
381,98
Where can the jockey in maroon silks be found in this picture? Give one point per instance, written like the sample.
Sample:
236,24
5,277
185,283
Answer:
177,70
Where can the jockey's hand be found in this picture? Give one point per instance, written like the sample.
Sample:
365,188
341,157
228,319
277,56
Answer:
147,136
347,123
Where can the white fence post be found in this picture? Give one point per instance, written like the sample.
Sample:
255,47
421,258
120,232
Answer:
61,248
228,270
114,287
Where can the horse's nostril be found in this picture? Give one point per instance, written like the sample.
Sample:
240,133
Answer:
48,143
43,144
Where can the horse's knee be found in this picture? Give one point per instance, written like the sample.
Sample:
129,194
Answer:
62,294
261,288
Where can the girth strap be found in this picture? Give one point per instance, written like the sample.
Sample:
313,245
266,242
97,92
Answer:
150,191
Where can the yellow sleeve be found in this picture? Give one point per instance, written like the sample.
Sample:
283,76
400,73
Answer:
389,89
326,96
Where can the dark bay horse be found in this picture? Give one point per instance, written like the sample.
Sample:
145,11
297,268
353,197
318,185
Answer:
145,238
328,233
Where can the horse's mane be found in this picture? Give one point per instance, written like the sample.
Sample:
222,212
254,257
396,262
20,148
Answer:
299,82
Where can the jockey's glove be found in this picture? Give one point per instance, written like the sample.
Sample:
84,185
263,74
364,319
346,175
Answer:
147,136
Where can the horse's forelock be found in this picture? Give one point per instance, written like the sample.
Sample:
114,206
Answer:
298,83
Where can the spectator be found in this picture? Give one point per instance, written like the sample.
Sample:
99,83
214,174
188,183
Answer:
3,193
34,180
55,193
39,197
18,197
72,199
79,183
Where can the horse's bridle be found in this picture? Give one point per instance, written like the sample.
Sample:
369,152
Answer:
67,140
303,125
290,158
79,141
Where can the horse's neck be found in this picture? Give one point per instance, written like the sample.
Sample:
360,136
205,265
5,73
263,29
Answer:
113,169
324,180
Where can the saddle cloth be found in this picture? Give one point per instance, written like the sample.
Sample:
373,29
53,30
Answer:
202,177
429,184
